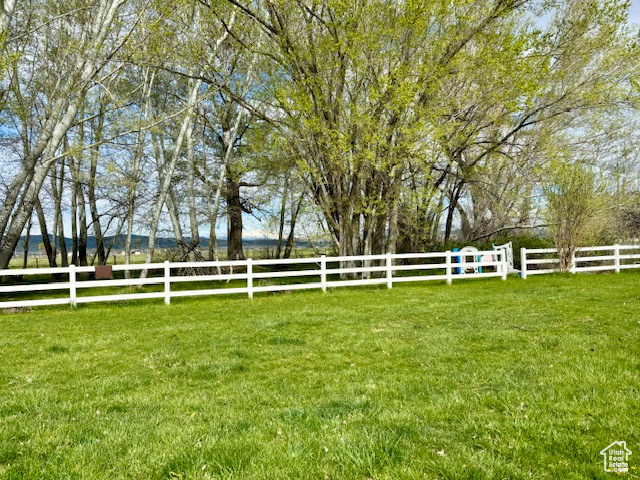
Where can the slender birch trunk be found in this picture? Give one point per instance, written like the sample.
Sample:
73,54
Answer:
74,219
191,195
56,216
213,219
78,209
136,167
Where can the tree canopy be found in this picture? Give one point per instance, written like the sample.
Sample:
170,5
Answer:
371,125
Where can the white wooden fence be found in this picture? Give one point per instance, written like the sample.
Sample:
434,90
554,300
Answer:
586,259
255,276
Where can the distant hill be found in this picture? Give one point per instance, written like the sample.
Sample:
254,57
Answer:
140,242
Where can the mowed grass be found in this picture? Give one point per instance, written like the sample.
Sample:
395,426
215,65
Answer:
481,379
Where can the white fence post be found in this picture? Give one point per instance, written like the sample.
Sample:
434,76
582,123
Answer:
72,285
250,277
572,269
323,272
503,263
448,271
616,254
523,263
389,271
167,282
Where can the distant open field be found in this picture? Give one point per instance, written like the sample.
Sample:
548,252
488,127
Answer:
41,261
478,380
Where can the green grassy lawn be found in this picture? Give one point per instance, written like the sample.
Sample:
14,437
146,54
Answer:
481,379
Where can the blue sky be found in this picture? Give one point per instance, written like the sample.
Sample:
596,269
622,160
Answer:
634,13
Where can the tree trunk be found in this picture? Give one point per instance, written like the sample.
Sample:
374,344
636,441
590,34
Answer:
466,229
136,167
74,223
174,215
56,208
93,206
394,233
234,215
346,236
451,209
74,204
283,208
64,257
25,258
212,209
114,240
45,235
191,194
82,220
292,228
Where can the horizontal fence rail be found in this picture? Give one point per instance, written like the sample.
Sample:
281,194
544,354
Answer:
613,258
77,285
184,279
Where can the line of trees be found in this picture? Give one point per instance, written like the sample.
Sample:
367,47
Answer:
380,125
